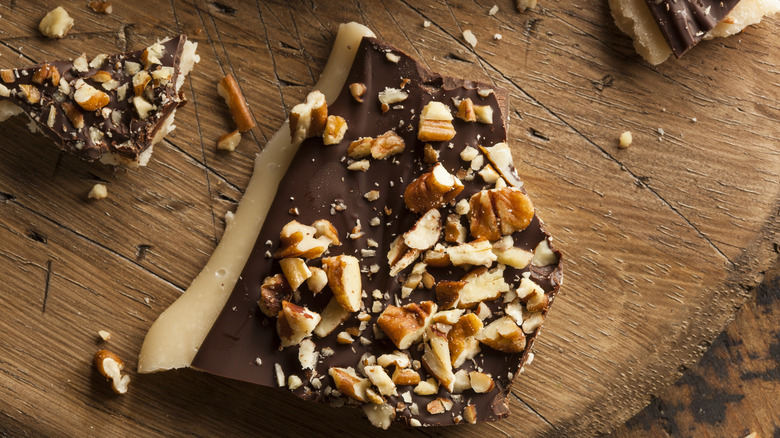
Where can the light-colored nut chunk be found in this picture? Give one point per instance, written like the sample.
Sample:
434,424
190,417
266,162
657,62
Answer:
99,191
397,358
425,232
90,98
295,271
317,281
499,212
476,253
470,411
379,378
387,145
462,339
357,90
400,256
390,96
349,383
31,93
73,114
343,273
307,354
462,382
435,123
56,23
47,71
380,416
532,322
229,141
142,106
454,231
478,285
405,376
427,387
432,189
507,254
503,335
360,148
239,110
436,358
273,292
308,119
406,325
299,240
484,114
294,323
110,366
544,255
439,406
335,129
332,316
466,111
481,382
532,295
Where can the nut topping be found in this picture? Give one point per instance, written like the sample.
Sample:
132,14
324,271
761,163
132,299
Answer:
230,91
478,285
466,111
56,23
436,358
435,123
499,212
294,323
503,335
31,93
273,291
432,189
357,90
73,114
110,366
333,315
295,271
425,232
380,148
47,71
335,129
299,240
349,383
344,280
462,341
90,98
308,119
406,325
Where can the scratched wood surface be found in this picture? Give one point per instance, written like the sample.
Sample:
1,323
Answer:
735,389
662,240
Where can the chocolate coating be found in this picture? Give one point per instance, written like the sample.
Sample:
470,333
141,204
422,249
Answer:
127,136
318,178
685,22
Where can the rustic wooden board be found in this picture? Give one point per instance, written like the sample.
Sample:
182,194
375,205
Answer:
662,240
735,389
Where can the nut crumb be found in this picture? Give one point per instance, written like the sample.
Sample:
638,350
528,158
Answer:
468,35
101,6
104,335
99,191
625,140
426,24
56,23
110,366
493,10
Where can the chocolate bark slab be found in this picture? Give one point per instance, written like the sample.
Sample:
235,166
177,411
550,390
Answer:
243,343
686,22
112,108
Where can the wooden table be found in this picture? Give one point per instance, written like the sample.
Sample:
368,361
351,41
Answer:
662,240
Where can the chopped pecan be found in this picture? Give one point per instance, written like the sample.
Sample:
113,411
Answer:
273,291
435,123
308,119
432,189
499,212
406,325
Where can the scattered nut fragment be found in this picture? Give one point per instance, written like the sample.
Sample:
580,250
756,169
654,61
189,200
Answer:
73,114
357,90
405,376
344,280
101,6
110,366
430,155
425,232
273,292
484,114
466,111
380,148
229,90
389,96
7,75
468,35
436,358
462,339
142,106
104,335
439,405
435,123
47,71
532,295
499,212
478,285
371,195
317,281
308,119
522,5
379,377
331,317
481,382
335,129
31,93
432,189
349,383
400,256
427,387
625,140
476,253
295,271
503,335
507,254
56,23
470,412
406,325
99,191
299,240
295,323
229,141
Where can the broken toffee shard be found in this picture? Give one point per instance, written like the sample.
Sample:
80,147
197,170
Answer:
399,266
112,108
662,27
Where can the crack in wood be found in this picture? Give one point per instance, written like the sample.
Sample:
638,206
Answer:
46,286
538,134
224,9
37,236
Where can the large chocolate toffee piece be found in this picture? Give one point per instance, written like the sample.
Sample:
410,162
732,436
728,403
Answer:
112,108
685,22
401,267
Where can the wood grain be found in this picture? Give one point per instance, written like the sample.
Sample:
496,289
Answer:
662,240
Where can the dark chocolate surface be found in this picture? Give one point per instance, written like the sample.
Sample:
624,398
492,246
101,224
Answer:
128,135
318,178
685,22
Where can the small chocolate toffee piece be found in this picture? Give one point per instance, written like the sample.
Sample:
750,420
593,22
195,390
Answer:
662,27
111,108
413,284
